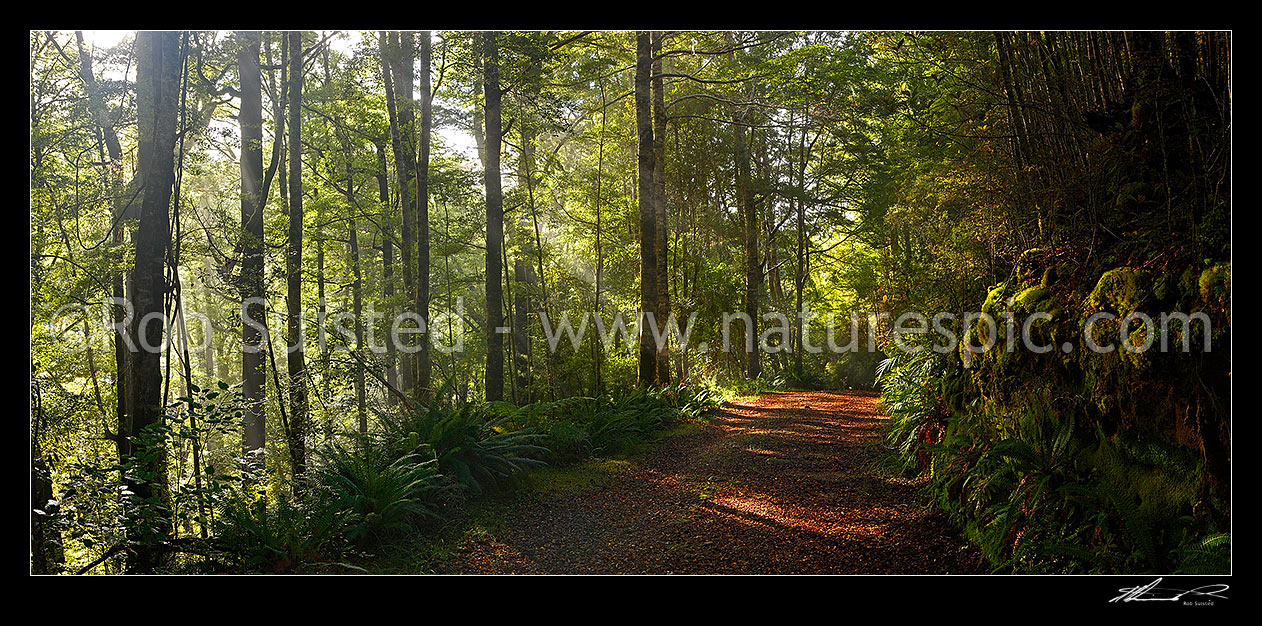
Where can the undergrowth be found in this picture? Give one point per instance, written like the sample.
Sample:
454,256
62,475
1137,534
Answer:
420,469
1039,491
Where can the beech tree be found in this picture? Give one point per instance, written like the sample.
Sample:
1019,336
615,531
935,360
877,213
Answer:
157,100
494,219
423,366
660,249
297,363
253,197
647,203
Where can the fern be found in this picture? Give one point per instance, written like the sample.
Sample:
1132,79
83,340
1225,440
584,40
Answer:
382,494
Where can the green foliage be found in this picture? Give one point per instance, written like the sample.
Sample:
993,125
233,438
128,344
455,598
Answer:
567,441
911,395
382,495
100,511
468,442
253,533
1209,555
574,427
1044,499
1040,492
766,382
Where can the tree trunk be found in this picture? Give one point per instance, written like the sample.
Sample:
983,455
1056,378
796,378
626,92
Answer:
387,255
157,98
252,201
523,274
403,76
745,203
321,276
753,263
96,102
208,338
799,272
648,210
598,354
659,203
423,388
297,361
494,221
401,150
357,302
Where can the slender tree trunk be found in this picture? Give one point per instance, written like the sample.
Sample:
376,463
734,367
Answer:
297,361
405,163
648,210
523,274
494,221
799,272
451,304
597,346
96,103
252,201
357,302
387,256
278,111
321,304
402,158
208,337
119,312
188,380
507,298
423,367
745,202
659,207
753,263
769,265
157,98
321,242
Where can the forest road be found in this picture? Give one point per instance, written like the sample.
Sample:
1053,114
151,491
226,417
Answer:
785,483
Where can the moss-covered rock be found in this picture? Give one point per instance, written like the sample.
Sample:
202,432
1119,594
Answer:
1150,395
994,298
1215,287
1037,298
1123,291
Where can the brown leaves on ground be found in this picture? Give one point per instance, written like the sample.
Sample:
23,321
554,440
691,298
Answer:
785,483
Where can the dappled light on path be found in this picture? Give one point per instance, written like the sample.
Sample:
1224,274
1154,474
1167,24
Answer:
783,483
